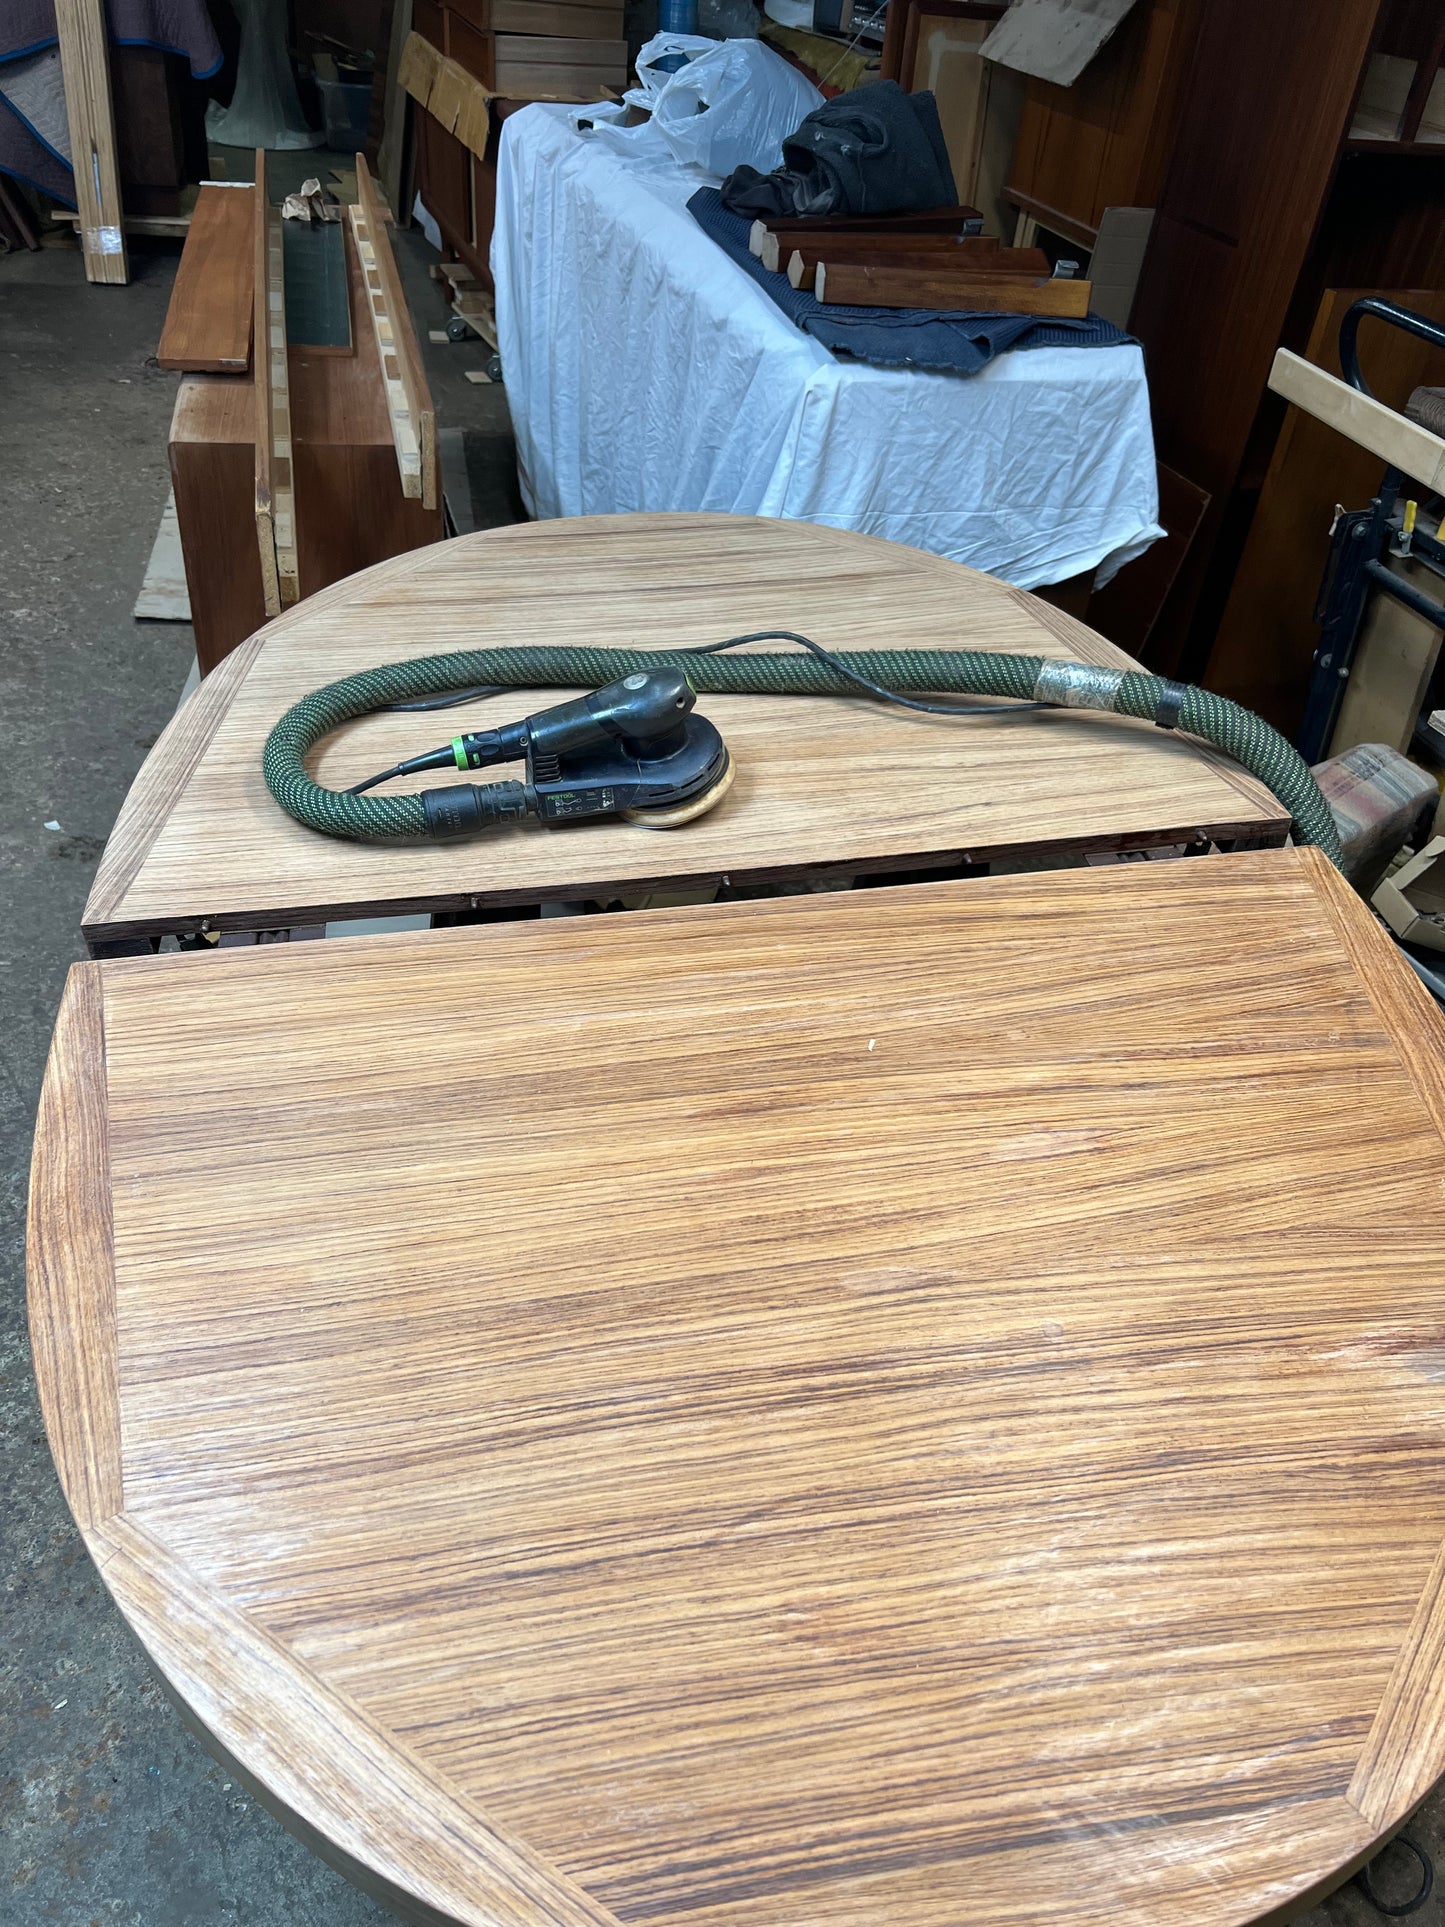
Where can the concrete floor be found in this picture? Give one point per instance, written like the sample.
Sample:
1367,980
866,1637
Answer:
109,1812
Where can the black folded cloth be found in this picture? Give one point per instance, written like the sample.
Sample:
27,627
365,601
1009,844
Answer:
875,150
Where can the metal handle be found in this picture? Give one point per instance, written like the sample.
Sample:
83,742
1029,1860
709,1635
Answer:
1415,324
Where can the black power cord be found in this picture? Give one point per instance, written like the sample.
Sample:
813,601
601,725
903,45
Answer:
1422,1893
964,707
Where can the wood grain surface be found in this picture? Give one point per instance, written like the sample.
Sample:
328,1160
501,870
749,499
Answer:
209,320
855,284
823,786
916,1405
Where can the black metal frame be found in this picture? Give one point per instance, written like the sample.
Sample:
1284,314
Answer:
1358,541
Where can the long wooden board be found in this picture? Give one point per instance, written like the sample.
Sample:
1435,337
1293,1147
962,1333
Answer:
882,245
914,1406
935,220
211,314
1395,439
85,68
408,395
940,254
275,472
853,284
824,788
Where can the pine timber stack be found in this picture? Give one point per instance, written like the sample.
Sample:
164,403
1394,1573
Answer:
292,465
468,65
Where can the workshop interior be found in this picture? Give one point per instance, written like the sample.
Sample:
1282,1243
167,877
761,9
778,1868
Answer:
725,978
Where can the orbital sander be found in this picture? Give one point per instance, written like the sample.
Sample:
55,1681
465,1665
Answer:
635,748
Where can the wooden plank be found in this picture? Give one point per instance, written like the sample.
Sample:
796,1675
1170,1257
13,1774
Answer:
163,595
929,220
275,481
85,65
820,788
633,1545
209,320
409,402
558,17
851,284
943,254
878,244
1369,423
528,65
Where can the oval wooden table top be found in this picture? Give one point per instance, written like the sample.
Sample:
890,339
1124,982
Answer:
920,1405
822,785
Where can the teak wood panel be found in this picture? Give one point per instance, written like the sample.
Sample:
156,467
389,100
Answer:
916,1405
209,320
822,784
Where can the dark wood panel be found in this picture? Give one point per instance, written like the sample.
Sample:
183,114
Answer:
476,52
213,474
444,177
1104,142
1264,108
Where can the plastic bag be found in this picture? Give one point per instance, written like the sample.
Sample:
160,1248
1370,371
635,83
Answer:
733,104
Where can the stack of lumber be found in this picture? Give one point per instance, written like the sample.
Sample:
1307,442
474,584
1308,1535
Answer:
303,445
937,258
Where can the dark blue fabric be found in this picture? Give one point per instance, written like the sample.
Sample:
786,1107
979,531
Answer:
948,343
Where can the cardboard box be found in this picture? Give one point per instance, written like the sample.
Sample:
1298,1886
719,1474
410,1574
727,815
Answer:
1412,901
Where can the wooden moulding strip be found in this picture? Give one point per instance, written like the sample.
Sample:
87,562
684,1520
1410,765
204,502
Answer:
1369,423
408,398
85,69
275,493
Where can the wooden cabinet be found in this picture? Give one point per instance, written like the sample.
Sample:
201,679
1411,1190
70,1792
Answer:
1270,197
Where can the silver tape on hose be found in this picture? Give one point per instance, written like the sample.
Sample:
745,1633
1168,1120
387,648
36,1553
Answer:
1077,685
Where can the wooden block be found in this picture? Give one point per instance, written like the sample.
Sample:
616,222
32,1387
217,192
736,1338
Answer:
916,251
209,320
928,220
404,377
85,70
1402,443
848,284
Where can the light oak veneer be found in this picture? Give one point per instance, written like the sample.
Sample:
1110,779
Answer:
923,1406
823,786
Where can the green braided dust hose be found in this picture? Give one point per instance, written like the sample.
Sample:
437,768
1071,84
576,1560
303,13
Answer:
970,672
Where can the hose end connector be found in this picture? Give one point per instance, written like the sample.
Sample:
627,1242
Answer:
465,807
